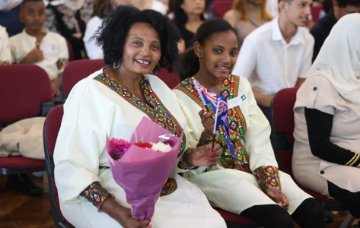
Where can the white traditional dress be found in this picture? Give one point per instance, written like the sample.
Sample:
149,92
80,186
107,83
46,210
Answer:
236,184
332,87
97,106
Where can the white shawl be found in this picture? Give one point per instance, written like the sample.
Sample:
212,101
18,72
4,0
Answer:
339,58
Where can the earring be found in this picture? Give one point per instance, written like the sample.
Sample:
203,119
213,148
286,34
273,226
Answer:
115,67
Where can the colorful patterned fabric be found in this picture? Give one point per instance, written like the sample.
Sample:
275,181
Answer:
267,177
154,109
96,194
236,119
169,187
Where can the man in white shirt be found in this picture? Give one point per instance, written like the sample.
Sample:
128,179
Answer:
277,54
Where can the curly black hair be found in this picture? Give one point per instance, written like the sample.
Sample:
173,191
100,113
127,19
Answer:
114,30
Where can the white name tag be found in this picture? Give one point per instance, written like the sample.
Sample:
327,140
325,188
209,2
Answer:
48,49
236,101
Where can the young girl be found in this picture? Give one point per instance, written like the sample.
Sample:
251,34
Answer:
245,181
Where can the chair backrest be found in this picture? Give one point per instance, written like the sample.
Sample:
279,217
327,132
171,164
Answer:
51,129
316,9
25,91
219,7
77,70
283,104
170,78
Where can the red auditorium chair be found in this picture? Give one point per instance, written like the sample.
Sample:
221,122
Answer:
77,70
25,92
170,78
51,129
219,7
283,104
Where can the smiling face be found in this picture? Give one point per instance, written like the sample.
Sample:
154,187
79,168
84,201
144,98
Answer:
142,50
297,11
33,15
218,54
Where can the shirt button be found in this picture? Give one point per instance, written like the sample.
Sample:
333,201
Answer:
315,88
322,172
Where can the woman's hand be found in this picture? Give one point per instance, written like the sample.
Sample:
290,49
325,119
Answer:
207,121
204,155
122,214
278,196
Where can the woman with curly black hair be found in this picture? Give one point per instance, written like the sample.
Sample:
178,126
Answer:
112,101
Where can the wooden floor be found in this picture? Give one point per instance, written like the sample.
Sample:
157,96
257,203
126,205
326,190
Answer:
21,211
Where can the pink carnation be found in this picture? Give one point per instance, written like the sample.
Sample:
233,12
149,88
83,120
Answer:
117,147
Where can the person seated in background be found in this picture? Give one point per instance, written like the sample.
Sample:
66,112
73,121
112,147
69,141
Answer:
326,157
5,54
112,101
64,18
246,180
37,46
323,27
247,15
277,55
188,16
102,8
157,5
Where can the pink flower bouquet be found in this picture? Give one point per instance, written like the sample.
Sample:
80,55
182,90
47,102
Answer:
142,166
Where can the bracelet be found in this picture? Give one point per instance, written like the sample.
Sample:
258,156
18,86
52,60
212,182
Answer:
184,162
96,194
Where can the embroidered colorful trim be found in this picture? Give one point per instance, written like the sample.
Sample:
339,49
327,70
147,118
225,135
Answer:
237,122
169,187
96,194
205,139
154,108
267,177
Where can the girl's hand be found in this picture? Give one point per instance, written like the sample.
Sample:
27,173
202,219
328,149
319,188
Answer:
207,121
278,196
205,155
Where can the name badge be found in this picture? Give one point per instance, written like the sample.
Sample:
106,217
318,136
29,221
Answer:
236,101
48,49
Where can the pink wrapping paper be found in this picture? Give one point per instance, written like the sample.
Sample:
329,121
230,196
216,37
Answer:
141,172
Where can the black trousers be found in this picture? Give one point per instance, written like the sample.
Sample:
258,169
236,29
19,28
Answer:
309,214
350,199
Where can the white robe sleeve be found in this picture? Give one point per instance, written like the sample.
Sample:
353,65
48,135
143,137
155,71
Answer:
80,142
